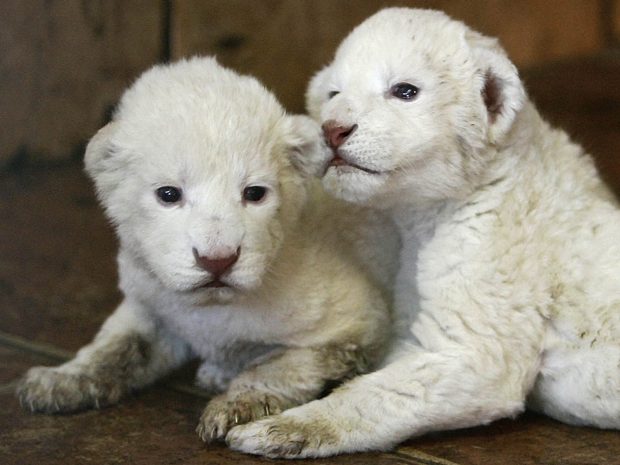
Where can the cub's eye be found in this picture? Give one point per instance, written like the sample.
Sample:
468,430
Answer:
332,94
254,193
169,194
404,91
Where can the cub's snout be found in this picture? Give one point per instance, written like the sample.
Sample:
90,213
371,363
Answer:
216,266
337,133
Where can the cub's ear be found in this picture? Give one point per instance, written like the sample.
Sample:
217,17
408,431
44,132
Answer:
502,91
316,94
100,151
306,147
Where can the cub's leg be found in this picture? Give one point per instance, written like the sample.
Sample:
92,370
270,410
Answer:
214,378
287,379
580,386
420,392
129,352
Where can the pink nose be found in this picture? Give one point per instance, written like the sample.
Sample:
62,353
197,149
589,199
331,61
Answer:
335,134
216,266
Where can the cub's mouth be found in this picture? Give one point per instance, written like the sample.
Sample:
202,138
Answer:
213,284
339,161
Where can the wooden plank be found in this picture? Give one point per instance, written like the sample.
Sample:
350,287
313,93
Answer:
536,31
63,64
616,21
283,42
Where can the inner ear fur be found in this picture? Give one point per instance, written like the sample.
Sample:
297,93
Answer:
492,96
502,90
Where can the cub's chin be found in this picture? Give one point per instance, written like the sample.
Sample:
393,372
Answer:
226,289
210,295
352,184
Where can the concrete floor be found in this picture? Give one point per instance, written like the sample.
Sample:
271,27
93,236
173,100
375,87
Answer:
58,283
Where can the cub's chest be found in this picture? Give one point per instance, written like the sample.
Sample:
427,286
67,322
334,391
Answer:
212,328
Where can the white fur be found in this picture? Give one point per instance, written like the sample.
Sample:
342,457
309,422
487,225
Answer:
299,309
509,284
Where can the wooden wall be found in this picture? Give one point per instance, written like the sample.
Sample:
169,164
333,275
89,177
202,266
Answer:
64,63
615,15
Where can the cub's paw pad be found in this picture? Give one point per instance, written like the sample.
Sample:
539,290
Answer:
223,413
49,390
282,437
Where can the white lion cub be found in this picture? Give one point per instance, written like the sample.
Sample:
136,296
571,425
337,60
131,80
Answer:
509,286
228,252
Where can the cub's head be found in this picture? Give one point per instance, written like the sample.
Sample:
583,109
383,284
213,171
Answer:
411,105
202,172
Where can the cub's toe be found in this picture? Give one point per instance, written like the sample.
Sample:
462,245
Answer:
223,413
49,390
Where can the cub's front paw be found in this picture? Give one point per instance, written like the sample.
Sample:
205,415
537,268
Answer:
284,436
51,390
223,412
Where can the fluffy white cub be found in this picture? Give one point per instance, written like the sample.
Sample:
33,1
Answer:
509,282
228,252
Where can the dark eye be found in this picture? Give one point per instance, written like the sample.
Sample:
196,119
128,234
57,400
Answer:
332,94
404,91
169,194
254,193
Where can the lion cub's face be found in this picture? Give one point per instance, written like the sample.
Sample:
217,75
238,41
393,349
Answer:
410,101
196,171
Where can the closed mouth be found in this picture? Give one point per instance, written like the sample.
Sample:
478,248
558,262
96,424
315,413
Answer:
338,160
215,284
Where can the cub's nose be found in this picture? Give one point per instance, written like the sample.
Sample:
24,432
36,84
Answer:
215,266
335,134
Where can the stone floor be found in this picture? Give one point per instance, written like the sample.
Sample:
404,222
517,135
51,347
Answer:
57,284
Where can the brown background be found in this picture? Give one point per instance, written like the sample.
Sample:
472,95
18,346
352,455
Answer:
64,63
